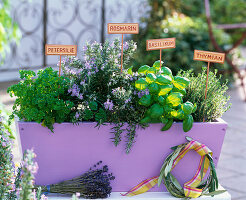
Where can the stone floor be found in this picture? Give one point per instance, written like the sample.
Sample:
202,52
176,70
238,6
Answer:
232,164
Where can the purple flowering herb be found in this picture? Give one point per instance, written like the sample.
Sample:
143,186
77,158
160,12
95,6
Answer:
82,82
77,115
108,105
113,91
125,46
80,97
87,65
128,100
74,90
147,91
140,94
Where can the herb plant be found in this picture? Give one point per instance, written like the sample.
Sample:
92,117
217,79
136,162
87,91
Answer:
42,99
6,163
101,92
163,96
216,103
15,183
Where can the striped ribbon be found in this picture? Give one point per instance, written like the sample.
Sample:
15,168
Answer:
190,187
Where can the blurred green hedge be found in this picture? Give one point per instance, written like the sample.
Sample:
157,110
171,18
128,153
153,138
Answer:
190,34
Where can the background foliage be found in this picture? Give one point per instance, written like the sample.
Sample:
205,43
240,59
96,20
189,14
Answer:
9,31
190,34
185,20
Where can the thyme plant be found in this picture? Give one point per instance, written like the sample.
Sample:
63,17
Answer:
217,100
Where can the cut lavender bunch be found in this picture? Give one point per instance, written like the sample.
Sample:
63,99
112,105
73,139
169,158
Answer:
93,184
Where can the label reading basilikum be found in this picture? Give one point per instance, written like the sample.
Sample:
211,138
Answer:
51,49
156,44
209,56
123,28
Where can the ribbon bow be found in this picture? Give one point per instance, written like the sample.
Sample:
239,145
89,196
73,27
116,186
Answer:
190,188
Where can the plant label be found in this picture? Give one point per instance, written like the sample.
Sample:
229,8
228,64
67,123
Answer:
156,44
123,28
68,50
209,56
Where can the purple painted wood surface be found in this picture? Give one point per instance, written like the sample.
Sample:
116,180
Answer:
73,149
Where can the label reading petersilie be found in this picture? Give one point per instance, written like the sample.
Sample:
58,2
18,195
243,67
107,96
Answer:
209,56
51,49
156,44
123,28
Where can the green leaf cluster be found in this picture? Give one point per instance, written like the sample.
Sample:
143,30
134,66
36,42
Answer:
165,99
217,101
41,99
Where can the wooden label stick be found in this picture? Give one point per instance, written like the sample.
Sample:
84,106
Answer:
208,56
61,50
121,67
159,44
123,28
60,67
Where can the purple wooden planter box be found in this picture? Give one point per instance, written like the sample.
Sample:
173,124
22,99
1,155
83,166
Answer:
73,149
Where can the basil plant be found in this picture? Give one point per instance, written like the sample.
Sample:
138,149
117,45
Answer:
163,97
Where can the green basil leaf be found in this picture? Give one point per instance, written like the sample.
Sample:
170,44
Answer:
145,100
187,107
180,115
195,108
167,108
167,125
141,84
153,88
143,69
150,78
156,111
174,113
146,120
129,71
152,70
180,82
174,99
183,91
163,120
188,123
166,71
156,64
163,80
161,100
165,89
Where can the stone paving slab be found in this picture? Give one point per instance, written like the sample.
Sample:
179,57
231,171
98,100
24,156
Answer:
232,164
